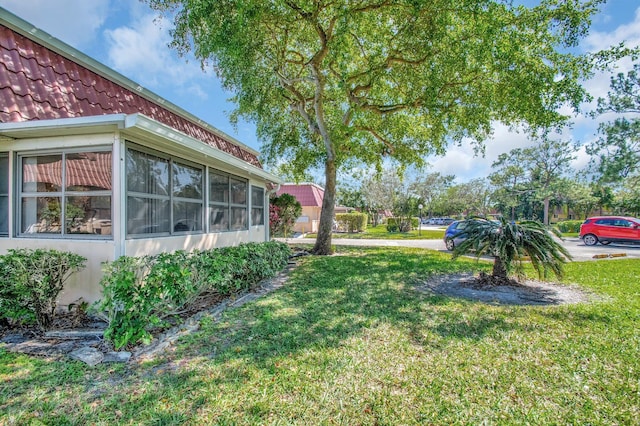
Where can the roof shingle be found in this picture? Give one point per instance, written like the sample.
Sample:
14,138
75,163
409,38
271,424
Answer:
307,194
37,83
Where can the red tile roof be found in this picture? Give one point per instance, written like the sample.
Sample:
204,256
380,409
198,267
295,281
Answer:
307,194
37,83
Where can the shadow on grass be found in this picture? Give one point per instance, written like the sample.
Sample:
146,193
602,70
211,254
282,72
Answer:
327,302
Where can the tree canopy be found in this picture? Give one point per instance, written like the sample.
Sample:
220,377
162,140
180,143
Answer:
329,83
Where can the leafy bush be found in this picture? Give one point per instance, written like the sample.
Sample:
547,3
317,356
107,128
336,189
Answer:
402,224
569,226
352,222
284,210
30,282
140,293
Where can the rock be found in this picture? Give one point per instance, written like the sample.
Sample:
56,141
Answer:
90,356
122,356
14,339
74,334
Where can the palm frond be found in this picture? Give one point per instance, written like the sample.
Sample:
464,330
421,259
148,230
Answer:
512,243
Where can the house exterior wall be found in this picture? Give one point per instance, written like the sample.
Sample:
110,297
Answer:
66,124
85,283
308,220
99,249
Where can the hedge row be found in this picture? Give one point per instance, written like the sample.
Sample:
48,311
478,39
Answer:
140,293
402,224
569,225
352,222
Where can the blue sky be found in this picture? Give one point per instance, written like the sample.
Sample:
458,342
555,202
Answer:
126,36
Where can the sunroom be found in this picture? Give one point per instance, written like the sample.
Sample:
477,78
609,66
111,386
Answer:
114,185
95,164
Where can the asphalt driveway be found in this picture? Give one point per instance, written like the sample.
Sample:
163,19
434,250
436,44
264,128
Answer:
575,246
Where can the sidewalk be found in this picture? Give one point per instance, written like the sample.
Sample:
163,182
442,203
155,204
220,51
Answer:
575,246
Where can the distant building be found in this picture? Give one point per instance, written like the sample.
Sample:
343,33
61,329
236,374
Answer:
310,196
92,163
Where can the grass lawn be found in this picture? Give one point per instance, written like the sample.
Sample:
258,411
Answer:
349,341
380,233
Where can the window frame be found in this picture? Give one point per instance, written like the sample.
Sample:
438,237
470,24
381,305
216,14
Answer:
228,205
170,197
4,195
63,193
260,208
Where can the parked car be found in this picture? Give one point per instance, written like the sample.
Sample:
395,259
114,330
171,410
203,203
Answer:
453,235
610,229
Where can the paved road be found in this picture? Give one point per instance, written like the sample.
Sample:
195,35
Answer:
575,246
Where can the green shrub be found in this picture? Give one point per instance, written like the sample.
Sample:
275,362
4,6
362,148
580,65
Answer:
30,282
352,222
402,224
140,293
569,226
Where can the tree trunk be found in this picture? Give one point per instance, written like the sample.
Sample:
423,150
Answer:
323,240
546,211
499,270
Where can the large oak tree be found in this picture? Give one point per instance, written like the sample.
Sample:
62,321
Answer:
332,82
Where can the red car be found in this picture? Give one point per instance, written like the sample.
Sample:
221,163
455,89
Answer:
610,229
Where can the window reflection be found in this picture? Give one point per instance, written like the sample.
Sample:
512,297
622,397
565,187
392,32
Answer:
88,171
88,215
219,188
147,173
4,195
257,206
81,206
148,215
41,215
187,217
42,173
238,191
187,181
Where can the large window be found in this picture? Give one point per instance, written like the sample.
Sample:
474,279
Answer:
66,194
4,195
257,206
164,195
227,202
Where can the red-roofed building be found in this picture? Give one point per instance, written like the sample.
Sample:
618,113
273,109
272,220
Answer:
93,163
310,196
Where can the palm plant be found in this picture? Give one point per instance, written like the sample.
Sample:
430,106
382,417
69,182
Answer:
510,243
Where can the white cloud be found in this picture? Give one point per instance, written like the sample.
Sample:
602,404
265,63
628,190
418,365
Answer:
140,50
628,33
462,162
76,22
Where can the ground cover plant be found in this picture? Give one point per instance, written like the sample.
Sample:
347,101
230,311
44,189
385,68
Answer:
349,340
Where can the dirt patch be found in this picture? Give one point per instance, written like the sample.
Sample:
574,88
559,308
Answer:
529,292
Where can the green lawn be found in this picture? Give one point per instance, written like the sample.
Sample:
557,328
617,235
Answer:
349,341
380,233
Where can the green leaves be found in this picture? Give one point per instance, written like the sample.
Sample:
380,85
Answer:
509,243
30,282
366,80
140,293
